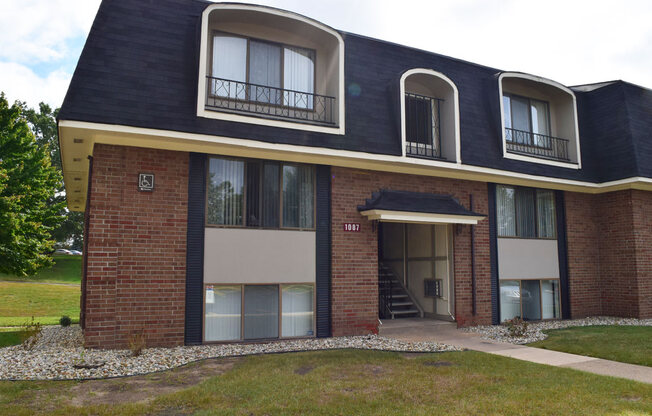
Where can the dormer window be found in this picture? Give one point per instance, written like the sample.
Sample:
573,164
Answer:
539,119
264,66
527,128
250,72
430,116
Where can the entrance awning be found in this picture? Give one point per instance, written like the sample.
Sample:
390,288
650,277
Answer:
415,207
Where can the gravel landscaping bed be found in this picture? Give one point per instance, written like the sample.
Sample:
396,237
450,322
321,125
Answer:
535,329
58,350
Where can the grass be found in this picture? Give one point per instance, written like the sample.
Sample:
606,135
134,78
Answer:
8,338
627,344
66,269
46,303
355,382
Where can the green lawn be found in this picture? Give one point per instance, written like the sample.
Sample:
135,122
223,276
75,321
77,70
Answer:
627,344
342,383
66,269
8,338
45,302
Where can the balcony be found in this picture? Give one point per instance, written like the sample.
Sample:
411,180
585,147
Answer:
271,102
537,145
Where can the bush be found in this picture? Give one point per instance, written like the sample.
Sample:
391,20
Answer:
516,327
30,333
65,321
137,342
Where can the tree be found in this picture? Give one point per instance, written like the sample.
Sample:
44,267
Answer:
70,233
28,185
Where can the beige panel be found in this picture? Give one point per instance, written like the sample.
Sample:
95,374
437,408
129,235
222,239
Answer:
520,258
233,255
417,271
419,240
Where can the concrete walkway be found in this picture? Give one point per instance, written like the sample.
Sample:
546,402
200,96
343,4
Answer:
414,329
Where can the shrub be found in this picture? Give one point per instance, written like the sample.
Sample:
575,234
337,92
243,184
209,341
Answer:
30,333
516,327
137,342
65,321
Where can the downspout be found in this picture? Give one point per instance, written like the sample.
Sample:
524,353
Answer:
473,300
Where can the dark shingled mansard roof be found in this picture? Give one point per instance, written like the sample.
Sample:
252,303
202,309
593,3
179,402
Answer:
415,202
139,68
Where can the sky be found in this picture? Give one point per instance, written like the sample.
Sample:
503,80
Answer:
569,41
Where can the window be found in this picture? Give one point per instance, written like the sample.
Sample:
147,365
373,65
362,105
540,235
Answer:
422,116
530,300
260,194
263,72
247,312
526,115
525,212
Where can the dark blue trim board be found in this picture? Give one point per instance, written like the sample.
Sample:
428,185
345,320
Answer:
195,248
323,251
493,253
562,248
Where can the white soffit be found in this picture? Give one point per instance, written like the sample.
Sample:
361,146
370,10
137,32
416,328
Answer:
420,217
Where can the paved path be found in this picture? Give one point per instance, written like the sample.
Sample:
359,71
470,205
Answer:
447,333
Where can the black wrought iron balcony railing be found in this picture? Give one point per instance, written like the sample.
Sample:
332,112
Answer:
537,145
423,132
278,103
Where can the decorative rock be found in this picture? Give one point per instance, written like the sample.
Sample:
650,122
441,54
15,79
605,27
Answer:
59,349
535,329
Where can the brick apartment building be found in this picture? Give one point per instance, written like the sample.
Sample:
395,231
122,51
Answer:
249,173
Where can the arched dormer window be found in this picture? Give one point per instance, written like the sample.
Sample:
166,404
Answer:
539,120
267,66
430,121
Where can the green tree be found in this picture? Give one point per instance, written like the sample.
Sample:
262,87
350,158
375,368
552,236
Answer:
70,233
28,184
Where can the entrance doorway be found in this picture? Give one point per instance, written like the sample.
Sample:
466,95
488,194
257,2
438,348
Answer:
416,274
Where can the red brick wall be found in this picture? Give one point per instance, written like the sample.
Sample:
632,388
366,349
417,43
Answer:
610,253
135,277
582,235
355,255
642,220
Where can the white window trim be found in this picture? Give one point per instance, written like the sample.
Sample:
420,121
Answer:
508,155
203,57
456,104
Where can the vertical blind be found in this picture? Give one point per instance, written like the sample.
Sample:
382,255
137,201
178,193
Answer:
261,311
271,67
232,69
225,192
525,212
228,196
297,313
222,314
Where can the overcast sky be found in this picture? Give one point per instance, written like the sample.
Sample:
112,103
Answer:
569,41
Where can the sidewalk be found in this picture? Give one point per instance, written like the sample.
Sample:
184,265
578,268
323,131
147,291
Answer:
447,333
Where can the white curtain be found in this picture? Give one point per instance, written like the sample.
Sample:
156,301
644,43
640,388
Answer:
265,71
223,308
550,299
546,213
505,211
261,311
540,122
229,66
299,76
225,191
507,112
297,314
510,300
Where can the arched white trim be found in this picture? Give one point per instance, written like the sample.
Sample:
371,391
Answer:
203,57
555,84
456,104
